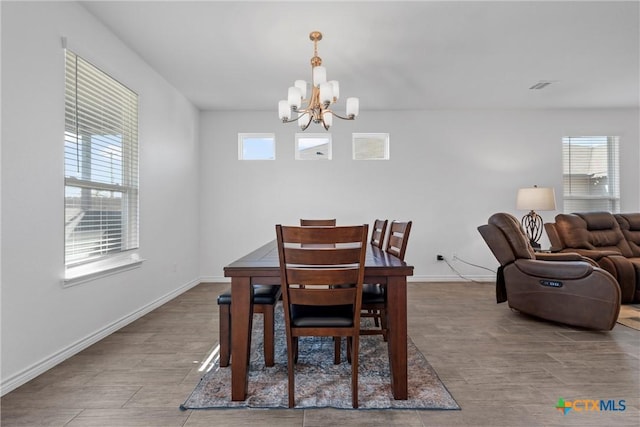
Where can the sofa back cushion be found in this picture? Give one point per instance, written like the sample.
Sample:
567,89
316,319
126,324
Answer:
630,226
592,230
514,235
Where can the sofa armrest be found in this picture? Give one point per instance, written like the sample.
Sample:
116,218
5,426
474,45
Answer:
559,256
564,256
594,254
556,270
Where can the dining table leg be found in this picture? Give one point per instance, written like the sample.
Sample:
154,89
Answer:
241,319
397,334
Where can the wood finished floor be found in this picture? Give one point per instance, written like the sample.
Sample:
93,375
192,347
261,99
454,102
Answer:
503,368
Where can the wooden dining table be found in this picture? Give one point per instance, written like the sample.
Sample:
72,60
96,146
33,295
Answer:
262,267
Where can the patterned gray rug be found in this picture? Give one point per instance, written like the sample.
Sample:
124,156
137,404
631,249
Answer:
320,383
630,316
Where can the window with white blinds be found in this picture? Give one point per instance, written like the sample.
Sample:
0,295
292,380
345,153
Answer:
101,164
591,174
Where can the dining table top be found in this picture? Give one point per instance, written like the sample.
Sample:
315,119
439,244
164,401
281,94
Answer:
264,261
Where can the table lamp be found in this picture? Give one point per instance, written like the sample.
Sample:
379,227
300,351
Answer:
535,199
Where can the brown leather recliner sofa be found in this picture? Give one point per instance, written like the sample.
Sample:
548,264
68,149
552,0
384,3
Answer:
611,240
561,287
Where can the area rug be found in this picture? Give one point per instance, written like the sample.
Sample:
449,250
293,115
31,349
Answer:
630,316
320,383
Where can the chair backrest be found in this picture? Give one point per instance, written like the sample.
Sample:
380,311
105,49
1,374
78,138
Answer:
554,237
506,238
398,238
378,232
322,266
318,222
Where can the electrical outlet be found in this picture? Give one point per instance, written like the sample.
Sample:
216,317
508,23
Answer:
439,257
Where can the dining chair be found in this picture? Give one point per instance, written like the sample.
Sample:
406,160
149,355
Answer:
378,232
321,271
318,222
325,223
265,298
374,294
398,238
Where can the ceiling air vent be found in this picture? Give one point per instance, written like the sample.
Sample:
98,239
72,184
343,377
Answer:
541,84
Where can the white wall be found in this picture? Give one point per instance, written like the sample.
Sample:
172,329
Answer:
201,208
42,322
449,171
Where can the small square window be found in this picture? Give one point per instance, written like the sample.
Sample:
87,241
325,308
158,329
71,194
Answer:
256,146
311,146
370,146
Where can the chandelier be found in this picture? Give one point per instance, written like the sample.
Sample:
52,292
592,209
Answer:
323,94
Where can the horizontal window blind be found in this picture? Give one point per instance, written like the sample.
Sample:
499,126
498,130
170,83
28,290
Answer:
101,164
591,173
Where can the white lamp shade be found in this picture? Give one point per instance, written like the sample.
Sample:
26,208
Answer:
353,107
302,85
326,93
284,110
295,97
319,75
327,117
536,199
336,89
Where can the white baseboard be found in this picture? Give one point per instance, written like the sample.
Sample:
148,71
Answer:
452,278
215,279
47,363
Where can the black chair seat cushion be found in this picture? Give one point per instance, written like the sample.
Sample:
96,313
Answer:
262,294
303,316
372,294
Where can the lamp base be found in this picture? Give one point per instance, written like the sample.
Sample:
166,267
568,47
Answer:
532,225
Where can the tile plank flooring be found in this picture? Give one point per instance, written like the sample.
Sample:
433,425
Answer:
503,368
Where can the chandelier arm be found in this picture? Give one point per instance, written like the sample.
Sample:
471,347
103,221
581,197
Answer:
308,123
302,112
339,116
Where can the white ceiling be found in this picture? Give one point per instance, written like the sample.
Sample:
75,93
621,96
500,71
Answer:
392,55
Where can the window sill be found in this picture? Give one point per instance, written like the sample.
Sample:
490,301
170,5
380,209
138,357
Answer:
96,270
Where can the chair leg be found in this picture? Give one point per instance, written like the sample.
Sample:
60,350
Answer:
383,321
292,349
354,370
225,334
268,318
349,349
376,316
337,344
